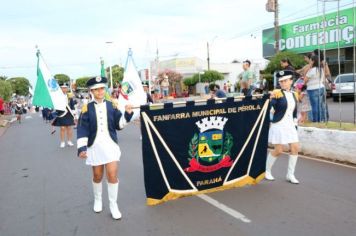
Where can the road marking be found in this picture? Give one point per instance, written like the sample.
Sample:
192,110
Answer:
28,117
225,208
326,161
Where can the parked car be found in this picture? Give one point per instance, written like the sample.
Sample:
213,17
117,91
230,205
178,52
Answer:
343,85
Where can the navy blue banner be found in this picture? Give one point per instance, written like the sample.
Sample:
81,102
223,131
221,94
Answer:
203,148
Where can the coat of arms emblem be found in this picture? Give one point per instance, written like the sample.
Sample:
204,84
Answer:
126,89
209,150
52,84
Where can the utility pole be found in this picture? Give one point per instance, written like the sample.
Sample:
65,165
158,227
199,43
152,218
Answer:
207,45
276,26
272,6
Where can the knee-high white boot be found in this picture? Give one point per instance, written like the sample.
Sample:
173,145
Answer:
112,192
292,162
98,203
269,163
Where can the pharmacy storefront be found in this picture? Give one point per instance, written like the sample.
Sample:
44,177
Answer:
318,32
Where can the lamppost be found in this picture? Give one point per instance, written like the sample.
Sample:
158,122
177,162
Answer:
110,69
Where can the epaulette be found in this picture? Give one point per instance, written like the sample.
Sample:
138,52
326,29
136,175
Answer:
84,108
277,93
115,104
296,96
70,95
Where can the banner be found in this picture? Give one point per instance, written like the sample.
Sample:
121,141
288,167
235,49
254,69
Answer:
203,148
306,35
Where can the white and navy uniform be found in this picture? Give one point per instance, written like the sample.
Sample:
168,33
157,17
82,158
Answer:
283,129
96,132
66,118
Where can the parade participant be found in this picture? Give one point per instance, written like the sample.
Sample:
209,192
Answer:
65,119
97,142
19,110
283,128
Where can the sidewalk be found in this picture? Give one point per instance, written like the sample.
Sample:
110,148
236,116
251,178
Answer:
4,123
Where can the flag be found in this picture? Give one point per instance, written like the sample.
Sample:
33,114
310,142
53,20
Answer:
131,88
47,91
103,74
102,71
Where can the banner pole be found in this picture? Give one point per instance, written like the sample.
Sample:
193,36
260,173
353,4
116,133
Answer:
198,101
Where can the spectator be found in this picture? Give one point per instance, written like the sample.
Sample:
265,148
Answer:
246,78
2,110
314,80
216,91
165,86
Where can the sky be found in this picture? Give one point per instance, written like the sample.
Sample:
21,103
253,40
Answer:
73,35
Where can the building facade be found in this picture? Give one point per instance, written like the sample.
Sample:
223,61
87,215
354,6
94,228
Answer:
330,32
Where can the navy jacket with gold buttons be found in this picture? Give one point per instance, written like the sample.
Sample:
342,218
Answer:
87,124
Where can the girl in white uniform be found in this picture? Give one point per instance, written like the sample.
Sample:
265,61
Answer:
283,129
97,142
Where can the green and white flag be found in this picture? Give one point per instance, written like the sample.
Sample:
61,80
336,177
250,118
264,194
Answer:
47,91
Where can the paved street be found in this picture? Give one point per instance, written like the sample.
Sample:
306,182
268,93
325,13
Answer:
347,110
47,191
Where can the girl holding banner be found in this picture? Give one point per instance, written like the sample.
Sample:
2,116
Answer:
97,142
283,129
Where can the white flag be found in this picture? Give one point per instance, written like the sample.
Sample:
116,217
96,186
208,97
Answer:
131,88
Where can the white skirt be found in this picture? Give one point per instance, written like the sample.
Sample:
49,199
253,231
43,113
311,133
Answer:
281,133
104,150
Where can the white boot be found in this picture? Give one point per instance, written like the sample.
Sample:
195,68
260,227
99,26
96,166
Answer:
70,143
269,163
112,192
292,162
63,144
98,203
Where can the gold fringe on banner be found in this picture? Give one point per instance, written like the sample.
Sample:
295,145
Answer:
248,180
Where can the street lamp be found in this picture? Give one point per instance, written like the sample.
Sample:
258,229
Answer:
110,69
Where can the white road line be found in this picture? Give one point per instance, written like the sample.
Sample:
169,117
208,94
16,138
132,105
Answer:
224,208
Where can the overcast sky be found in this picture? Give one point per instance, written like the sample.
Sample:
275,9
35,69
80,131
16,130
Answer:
72,35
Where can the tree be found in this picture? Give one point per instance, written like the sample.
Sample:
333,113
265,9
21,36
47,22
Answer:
275,62
174,79
209,76
62,78
190,81
5,90
117,74
20,85
82,82
3,77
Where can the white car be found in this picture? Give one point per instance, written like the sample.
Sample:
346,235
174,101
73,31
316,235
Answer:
344,85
